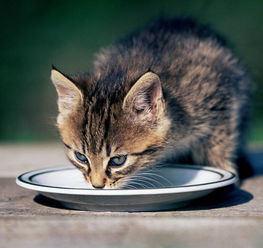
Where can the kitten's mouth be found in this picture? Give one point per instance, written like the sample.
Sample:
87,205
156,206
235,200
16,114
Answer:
117,184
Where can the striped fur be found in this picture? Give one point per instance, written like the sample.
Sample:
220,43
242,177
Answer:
188,95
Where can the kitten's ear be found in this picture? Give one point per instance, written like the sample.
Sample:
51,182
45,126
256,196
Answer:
145,98
69,95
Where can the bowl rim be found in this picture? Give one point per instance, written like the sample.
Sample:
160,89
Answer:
227,178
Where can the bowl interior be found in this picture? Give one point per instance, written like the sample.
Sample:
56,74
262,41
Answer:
165,177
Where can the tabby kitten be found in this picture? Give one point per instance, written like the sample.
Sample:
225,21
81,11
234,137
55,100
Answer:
171,90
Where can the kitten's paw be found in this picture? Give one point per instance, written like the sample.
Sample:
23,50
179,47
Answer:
228,166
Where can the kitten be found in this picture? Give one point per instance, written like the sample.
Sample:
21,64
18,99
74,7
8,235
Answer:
171,90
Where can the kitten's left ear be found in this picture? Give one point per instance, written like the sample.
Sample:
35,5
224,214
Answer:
145,99
69,95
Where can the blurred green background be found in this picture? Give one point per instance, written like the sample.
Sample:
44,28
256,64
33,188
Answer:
38,33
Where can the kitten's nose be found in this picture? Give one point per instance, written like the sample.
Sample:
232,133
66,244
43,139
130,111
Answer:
98,186
97,178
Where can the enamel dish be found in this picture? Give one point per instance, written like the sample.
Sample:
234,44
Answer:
164,188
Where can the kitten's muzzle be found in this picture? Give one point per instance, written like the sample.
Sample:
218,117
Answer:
98,184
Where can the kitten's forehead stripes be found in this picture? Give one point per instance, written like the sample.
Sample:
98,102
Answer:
108,150
117,148
90,130
101,98
106,129
84,131
104,125
96,125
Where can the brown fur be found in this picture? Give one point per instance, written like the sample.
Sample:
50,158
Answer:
171,89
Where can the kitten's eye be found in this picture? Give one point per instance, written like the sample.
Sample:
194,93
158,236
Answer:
82,158
118,160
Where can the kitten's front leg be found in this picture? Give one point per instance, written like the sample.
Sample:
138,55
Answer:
218,150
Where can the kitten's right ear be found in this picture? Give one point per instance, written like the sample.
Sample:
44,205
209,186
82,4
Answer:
69,95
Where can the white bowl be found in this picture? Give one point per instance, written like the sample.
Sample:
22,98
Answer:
164,188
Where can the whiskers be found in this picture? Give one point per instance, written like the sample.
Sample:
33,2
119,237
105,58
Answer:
149,178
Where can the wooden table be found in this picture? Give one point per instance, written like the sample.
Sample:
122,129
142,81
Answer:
224,219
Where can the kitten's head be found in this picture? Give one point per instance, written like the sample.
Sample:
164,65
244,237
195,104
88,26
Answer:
110,130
